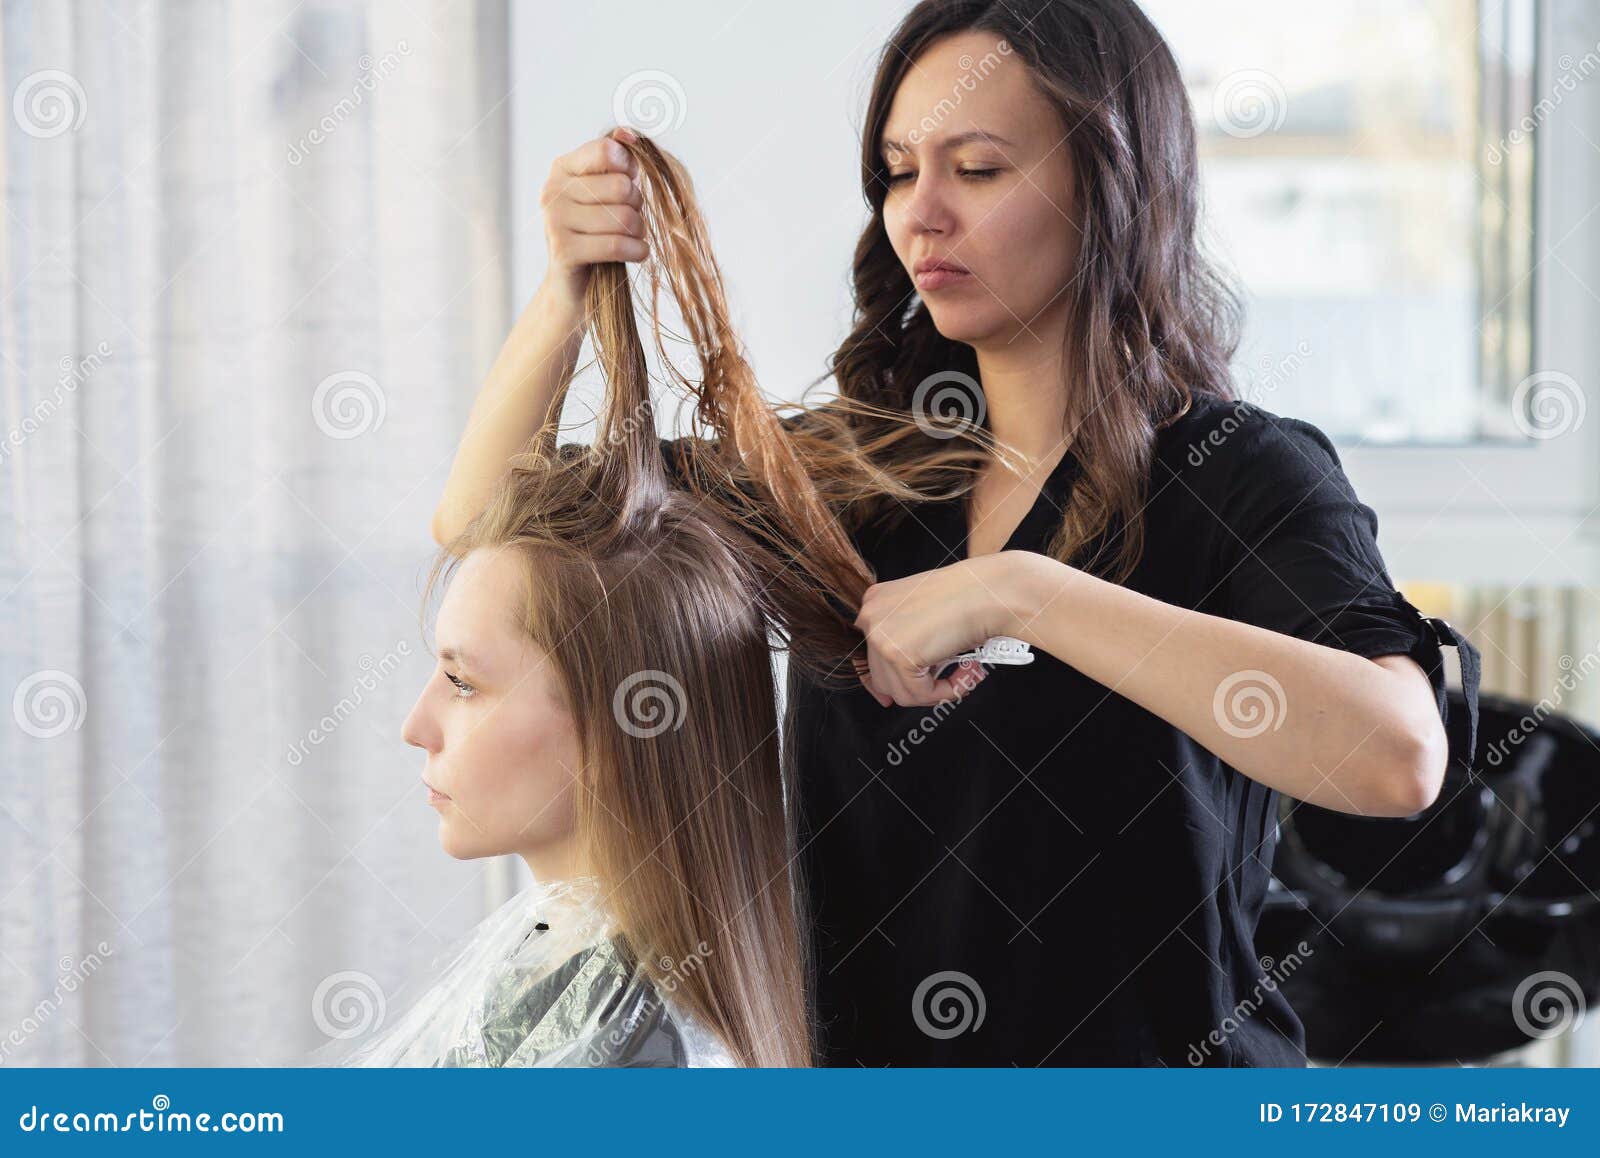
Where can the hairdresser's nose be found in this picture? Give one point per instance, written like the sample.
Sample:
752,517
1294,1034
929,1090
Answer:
420,729
930,208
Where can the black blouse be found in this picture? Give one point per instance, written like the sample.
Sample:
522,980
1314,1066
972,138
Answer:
1045,873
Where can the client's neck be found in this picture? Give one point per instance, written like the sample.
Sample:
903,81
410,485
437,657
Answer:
551,864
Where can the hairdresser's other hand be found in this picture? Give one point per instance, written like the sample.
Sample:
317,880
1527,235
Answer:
591,207
913,625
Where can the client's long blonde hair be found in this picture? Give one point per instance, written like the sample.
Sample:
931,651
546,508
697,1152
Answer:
653,596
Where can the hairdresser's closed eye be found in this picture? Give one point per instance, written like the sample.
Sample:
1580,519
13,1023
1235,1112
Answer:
976,174
464,691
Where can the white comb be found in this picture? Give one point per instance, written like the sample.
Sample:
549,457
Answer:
998,649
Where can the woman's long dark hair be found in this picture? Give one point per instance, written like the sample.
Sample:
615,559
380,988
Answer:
1150,320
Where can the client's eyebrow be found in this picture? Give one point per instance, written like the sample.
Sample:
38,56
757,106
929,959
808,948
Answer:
886,144
458,657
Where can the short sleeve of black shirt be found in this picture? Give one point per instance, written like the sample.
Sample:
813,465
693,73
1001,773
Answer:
1297,553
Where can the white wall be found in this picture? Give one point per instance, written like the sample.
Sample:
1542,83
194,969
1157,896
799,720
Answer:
766,116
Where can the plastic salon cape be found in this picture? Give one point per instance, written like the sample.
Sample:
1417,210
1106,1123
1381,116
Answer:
543,981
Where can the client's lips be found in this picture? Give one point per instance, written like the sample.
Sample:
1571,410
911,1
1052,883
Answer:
434,795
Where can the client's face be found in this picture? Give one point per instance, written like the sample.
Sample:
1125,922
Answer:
502,750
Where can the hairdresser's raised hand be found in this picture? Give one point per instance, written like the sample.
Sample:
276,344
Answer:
913,625
591,214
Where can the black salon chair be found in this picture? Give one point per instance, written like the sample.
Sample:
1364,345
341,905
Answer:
1464,932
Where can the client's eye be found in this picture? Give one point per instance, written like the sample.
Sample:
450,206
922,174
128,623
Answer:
463,691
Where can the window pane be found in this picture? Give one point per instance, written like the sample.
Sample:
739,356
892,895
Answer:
1362,182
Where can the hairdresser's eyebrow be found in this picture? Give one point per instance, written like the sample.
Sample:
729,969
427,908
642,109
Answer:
982,135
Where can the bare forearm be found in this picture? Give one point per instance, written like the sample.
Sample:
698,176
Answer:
536,360
1316,723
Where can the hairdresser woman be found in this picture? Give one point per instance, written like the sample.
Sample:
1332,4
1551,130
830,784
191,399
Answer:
1063,863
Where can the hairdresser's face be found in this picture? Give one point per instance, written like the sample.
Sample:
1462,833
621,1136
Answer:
999,205
500,745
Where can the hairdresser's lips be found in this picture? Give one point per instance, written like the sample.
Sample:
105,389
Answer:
940,276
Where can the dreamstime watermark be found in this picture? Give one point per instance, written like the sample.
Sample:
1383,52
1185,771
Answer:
1248,703
348,1004
947,403
1274,374
49,103
674,973
72,975
948,1004
348,404
49,703
1547,404
605,1046
74,373
1548,1004
972,73
642,415
374,672
372,72
1564,84
160,1118
1249,102
650,102
1274,973
649,703
1530,721
965,681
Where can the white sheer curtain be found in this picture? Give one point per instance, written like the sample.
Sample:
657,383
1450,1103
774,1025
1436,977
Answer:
253,264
